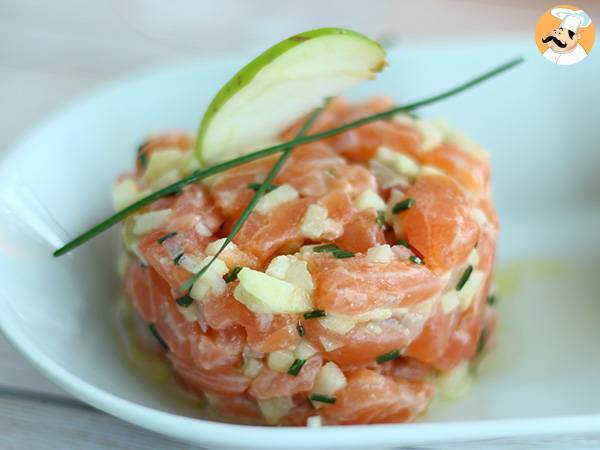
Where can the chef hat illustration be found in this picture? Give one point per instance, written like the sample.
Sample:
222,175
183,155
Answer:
571,20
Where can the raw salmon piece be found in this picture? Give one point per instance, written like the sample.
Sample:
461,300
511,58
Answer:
315,170
405,368
439,224
367,139
370,397
152,298
264,333
146,289
308,170
194,219
280,334
264,235
217,348
338,205
176,139
332,116
230,189
361,232
355,285
270,383
471,172
363,343
226,380
224,311
433,341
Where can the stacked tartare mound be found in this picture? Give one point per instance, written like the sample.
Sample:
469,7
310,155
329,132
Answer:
358,283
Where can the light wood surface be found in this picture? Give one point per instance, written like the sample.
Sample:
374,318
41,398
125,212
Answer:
54,51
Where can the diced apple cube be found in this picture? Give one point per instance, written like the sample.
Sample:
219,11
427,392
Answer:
429,133
380,254
161,161
400,162
314,422
337,323
304,350
316,224
252,367
449,301
329,380
124,193
146,222
211,281
330,344
276,197
291,269
262,293
275,408
369,199
280,360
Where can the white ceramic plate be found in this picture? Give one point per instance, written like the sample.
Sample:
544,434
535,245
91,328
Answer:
540,123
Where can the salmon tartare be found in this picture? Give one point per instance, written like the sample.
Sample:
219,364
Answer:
360,280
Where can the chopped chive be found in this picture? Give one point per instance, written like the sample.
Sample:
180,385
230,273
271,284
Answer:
491,300
185,301
298,140
232,275
143,159
415,259
296,367
403,205
381,219
158,337
481,342
465,277
404,243
177,258
387,356
141,146
326,248
322,398
162,239
256,186
315,314
341,254
300,329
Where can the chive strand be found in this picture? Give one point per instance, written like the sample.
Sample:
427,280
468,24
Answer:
296,367
315,314
388,356
158,337
322,398
465,277
262,189
202,174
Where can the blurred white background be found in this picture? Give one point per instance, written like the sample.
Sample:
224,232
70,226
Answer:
53,51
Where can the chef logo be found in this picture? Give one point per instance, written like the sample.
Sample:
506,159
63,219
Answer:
565,35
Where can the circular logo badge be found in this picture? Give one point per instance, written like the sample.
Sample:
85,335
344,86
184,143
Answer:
565,34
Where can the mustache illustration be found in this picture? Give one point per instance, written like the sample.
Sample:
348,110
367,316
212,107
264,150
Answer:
556,41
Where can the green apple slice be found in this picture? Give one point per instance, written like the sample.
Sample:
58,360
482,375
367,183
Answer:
280,85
